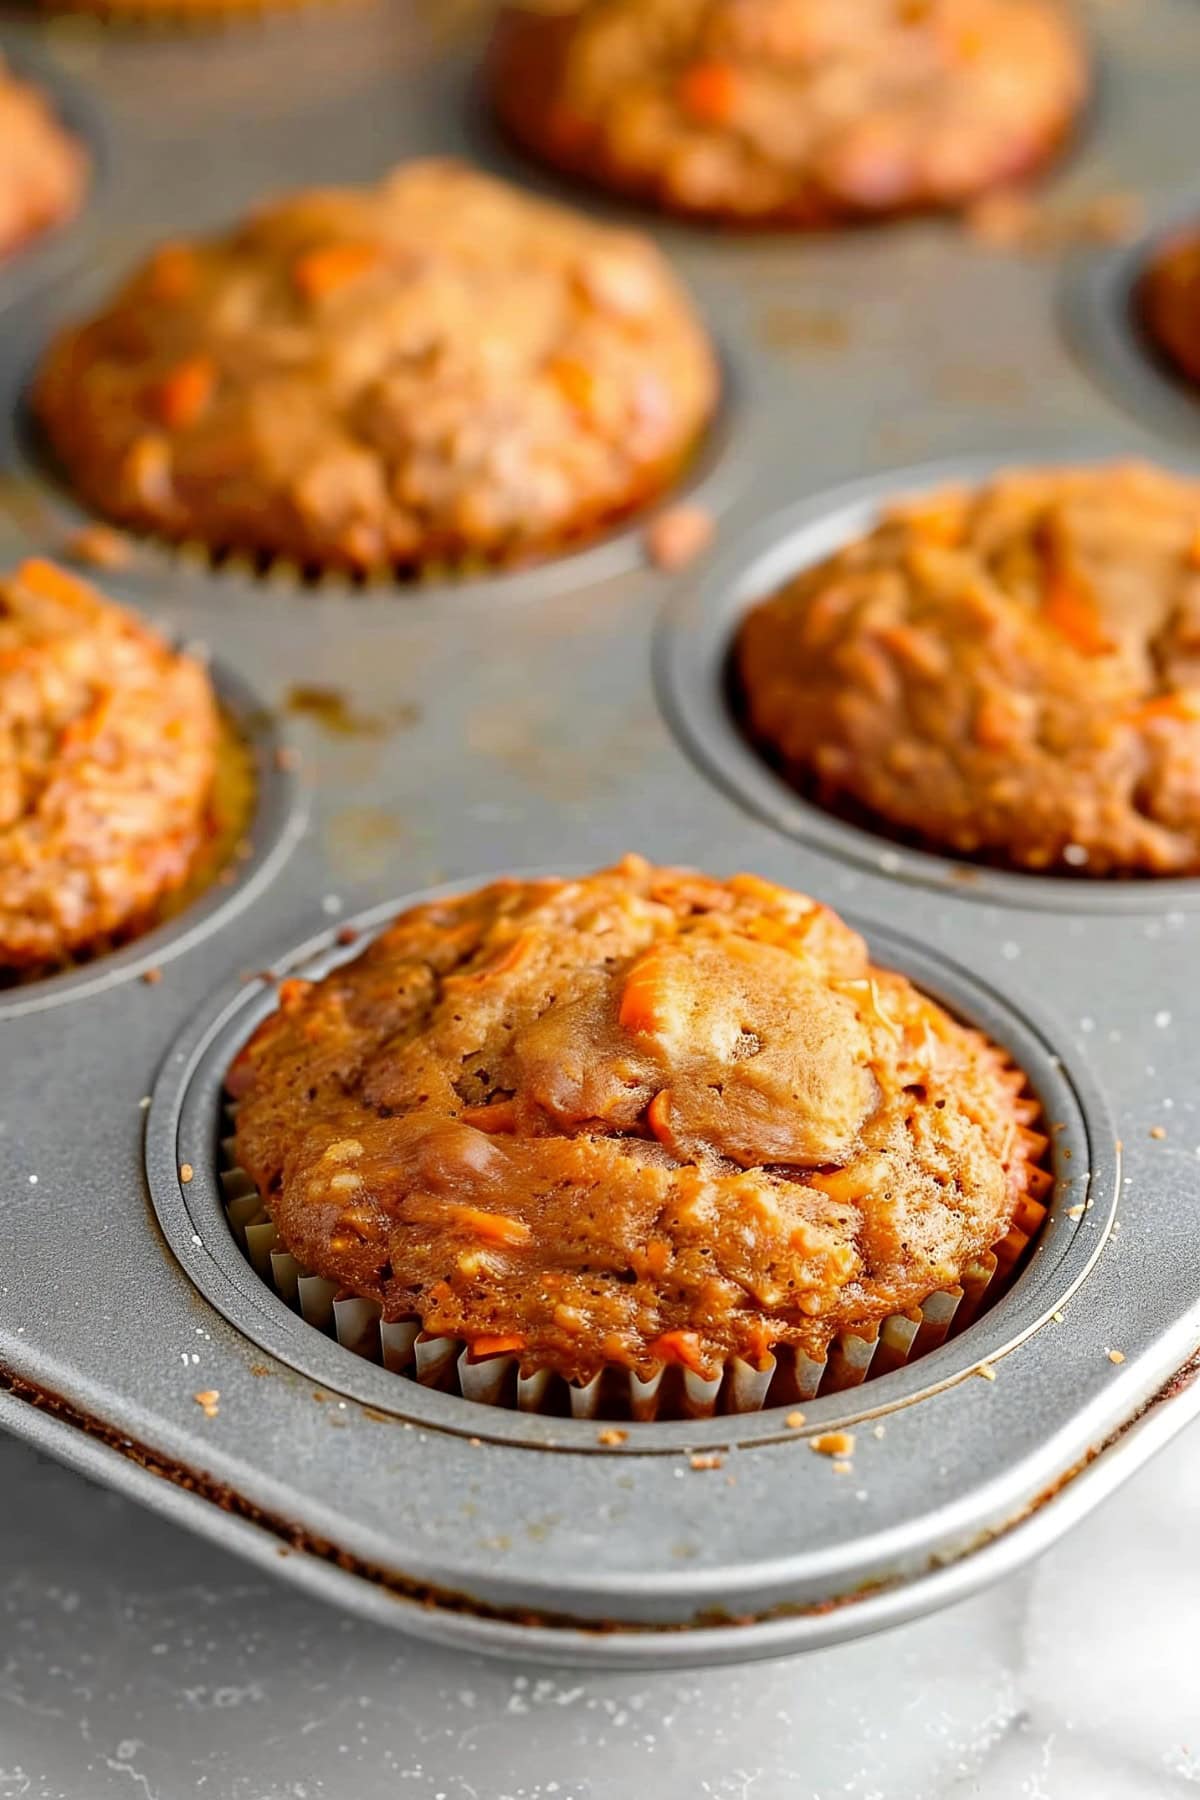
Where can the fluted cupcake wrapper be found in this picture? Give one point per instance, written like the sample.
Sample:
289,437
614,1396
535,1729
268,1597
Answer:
786,1376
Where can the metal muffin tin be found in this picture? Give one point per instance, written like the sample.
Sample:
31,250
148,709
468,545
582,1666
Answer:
551,720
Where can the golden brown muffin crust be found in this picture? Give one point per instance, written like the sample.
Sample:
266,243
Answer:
640,1117
1012,672
43,168
1169,299
436,368
107,748
799,112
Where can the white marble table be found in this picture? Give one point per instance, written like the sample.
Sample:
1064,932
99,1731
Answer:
137,1663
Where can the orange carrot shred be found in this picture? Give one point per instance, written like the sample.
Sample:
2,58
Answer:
575,380
678,1347
708,92
500,1115
328,267
183,396
495,1228
1182,708
658,1115
496,1342
173,272
644,997
46,578
1072,611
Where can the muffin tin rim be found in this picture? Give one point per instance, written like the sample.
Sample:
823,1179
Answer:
49,257
183,1126
695,634
1098,307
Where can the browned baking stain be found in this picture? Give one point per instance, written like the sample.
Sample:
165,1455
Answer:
807,329
337,714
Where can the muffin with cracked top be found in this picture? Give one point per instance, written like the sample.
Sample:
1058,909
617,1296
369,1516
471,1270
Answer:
1010,672
790,112
108,770
632,1120
438,369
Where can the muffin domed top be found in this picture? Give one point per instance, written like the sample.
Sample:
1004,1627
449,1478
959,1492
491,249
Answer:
437,367
796,111
643,1116
1012,671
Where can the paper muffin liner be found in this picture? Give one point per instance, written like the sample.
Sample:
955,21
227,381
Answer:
785,1376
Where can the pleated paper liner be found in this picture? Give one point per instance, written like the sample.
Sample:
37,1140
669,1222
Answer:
783,1378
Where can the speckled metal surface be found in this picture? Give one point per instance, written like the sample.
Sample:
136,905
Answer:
517,722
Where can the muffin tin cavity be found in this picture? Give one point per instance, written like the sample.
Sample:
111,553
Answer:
50,254
693,676
257,816
1102,313
215,1226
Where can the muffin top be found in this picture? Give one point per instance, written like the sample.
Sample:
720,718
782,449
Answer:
43,169
790,111
636,1118
1011,672
435,368
107,751
1169,297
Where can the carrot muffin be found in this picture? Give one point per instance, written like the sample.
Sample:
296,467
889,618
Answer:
107,758
641,1118
438,368
790,112
1011,672
1169,299
43,169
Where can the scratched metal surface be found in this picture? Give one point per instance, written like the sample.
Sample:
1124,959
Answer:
519,723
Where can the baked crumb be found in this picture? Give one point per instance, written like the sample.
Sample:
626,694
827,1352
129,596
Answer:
151,977
843,1468
986,1370
706,1462
346,934
611,1436
833,1443
186,1172
208,1400
100,546
1116,1356
287,757
794,1421
1158,1131
676,537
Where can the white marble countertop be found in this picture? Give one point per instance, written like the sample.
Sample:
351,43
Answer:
137,1661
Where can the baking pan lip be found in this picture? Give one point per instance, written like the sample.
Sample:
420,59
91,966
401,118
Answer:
278,818
691,653
183,1125
1098,305
51,255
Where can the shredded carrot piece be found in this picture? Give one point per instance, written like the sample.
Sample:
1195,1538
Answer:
1183,708
708,92
494,1228
52,583
575,380
1071,610
678,1347
173,272
291,993
183,396
501,1115
768,893
658,1115
645,996
496,1342
328,267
